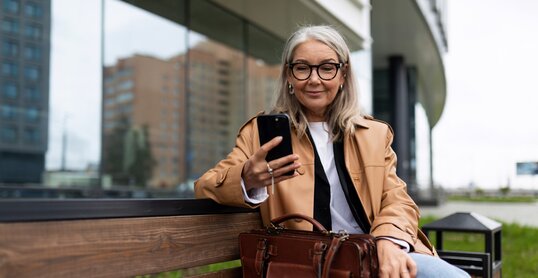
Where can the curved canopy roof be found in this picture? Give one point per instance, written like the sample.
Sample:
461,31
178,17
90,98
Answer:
400,28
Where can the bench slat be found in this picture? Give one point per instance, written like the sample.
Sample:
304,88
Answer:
120,247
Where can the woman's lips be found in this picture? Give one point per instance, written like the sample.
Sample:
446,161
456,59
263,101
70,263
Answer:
313,93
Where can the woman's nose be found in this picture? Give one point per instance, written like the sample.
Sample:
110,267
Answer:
314,76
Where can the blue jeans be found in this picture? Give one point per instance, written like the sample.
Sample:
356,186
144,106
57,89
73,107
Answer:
434,267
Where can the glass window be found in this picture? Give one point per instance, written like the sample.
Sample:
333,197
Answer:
32,9
11,6
263,64
8,134
10,69
9,90
203,69
143,42
32,52
216,62
31,135
10,48
32,93
215,74
32,114
31,73
126,85
74,76
124,97
10,26
8,112
33,31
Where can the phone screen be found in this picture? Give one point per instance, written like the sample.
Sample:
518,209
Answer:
271,126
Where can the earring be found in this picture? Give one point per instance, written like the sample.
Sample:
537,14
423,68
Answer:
290,89
340,88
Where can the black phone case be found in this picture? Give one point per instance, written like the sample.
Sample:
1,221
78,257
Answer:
271,126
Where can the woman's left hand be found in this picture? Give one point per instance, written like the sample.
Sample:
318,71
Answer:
393,261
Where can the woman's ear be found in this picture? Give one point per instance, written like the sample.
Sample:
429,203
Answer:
288,73
289,78
344,70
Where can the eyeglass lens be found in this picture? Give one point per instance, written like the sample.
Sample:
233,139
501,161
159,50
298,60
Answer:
326,71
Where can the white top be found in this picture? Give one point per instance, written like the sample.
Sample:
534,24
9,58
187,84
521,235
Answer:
341,217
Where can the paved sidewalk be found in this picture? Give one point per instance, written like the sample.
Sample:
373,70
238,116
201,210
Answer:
521,213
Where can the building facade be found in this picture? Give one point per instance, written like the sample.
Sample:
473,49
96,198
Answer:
24,89
409,80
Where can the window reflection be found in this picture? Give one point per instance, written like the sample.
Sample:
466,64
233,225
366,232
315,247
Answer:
9,90
10,26
23,121
173,98
10,48
32,9
11,6
191,102
143,85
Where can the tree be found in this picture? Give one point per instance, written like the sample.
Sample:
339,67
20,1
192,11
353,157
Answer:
127,154
138,160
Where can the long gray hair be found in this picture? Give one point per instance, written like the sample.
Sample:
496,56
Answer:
344,109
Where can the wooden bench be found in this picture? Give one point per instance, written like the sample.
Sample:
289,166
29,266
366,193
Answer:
118,238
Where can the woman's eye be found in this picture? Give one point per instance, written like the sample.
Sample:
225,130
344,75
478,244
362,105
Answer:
327,67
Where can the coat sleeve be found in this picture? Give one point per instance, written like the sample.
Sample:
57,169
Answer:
223,182
398,215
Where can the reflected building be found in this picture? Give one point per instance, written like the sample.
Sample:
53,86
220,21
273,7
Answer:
157,94
24,89
143,92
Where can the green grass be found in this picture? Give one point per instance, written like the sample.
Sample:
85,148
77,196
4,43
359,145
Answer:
194,271
494,199
519,247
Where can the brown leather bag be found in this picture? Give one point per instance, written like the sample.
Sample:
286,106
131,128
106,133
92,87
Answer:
279,252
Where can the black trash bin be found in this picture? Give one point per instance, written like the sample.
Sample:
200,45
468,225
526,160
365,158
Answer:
486,264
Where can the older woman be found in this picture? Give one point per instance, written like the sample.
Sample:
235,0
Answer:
345,169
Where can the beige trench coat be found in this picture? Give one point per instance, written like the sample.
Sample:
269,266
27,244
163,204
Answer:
370,161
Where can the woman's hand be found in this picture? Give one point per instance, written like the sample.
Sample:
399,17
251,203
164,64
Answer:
256,172
393,261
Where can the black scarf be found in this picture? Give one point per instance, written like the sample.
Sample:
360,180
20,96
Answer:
322,189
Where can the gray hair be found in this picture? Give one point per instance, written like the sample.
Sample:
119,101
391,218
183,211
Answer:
344,109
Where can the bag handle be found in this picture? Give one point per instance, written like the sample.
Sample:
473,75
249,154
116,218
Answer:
336,242
316,224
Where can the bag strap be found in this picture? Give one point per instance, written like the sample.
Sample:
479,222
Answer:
316,224
261,256
317,257
336,242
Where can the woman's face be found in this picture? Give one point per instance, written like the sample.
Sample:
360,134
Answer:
314,93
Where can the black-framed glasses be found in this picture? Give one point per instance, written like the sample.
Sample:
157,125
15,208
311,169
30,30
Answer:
326,71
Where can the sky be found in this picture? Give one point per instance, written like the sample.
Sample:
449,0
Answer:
487,126
489,121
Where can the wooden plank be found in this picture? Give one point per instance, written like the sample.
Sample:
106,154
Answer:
120,247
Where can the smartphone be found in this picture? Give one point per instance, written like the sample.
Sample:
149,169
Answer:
271,126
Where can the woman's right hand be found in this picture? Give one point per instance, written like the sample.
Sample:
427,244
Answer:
256,172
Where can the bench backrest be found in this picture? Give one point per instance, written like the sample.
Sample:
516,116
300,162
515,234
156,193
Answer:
121,247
